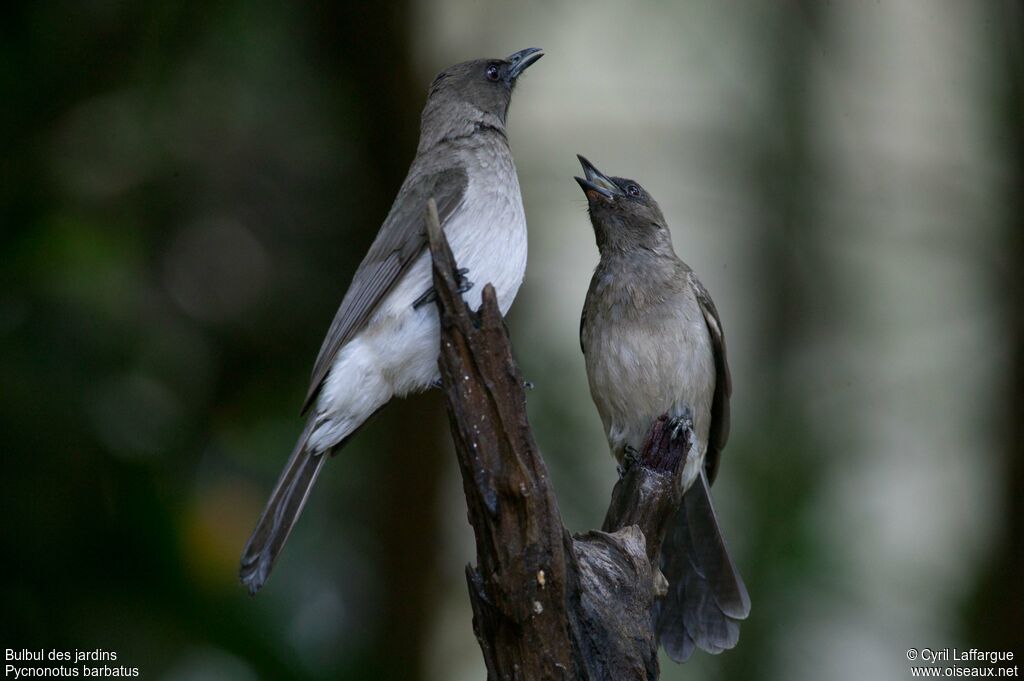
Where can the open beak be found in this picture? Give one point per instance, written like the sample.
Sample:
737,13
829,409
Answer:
596,183
522,60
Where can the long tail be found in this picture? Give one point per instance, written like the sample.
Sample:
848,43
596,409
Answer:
281,512
706,597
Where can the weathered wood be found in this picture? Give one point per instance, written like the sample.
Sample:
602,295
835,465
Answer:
545,605
648,493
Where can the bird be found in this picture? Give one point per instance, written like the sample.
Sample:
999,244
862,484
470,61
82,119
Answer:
653,345
384,340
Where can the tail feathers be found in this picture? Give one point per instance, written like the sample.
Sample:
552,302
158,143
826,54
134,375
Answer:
706,596
279,516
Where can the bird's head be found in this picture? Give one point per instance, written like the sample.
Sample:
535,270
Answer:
474,92
622,212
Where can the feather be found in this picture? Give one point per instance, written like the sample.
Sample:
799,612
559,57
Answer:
706,597
402,238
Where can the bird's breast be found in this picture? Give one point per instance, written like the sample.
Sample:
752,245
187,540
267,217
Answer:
488,232
396,352
642,366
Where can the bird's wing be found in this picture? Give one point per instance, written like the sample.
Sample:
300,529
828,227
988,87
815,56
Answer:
587,304
719,432
583,323
401,239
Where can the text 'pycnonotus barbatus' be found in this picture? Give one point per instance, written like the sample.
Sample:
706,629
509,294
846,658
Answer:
384,340
653,345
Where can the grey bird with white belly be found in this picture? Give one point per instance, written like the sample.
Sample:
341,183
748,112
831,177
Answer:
385,339
653,345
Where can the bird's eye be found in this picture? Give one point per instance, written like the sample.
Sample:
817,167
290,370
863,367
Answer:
633,190
492,73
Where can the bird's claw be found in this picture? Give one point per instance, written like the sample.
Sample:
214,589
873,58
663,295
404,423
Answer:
681,424
630,456
528,385
462,283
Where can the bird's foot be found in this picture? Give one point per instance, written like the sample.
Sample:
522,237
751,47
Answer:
630,456
430,295
682,423
528,385
437,384
462,283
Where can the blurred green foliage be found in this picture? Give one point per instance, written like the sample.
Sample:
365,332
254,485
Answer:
186,187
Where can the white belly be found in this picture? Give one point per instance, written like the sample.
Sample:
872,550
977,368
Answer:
396,353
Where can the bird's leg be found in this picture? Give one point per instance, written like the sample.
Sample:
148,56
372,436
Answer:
429,296
528,385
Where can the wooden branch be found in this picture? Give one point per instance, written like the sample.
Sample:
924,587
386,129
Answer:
519,586
545,605
647,495
620,562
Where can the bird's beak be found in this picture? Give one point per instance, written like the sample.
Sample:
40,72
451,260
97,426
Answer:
522,60
596,184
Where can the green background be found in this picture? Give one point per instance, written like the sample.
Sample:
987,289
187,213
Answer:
186,188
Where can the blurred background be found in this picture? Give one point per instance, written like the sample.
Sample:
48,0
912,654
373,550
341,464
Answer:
186,189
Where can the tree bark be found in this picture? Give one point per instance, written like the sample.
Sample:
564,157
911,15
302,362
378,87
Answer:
546,605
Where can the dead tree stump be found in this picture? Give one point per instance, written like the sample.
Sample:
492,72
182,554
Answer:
546,605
